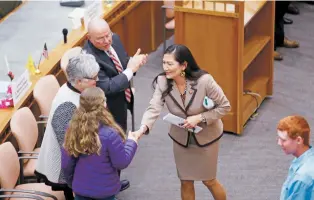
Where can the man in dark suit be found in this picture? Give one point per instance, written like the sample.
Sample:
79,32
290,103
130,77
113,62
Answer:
281,40
116,71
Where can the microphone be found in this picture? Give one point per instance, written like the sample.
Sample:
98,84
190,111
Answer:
65,33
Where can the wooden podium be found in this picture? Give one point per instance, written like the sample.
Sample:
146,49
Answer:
234,42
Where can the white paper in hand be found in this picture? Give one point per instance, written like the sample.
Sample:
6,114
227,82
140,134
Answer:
175,120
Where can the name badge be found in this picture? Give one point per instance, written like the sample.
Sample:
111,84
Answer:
208,103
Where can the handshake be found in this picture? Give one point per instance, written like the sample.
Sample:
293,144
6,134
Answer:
136,135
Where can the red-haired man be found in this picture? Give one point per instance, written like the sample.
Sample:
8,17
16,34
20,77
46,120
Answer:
294,138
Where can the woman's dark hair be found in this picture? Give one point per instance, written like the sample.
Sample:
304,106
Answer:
181,54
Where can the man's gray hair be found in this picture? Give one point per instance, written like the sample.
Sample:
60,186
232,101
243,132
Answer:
82,66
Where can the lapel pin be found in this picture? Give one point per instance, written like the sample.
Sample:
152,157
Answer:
191,91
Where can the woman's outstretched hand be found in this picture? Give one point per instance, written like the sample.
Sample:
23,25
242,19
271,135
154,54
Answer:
135,135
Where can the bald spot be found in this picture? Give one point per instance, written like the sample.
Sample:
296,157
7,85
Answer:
97,26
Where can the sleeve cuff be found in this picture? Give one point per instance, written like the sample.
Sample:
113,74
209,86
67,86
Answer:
128,73
145,129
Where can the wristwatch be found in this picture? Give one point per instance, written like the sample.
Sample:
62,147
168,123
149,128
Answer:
203,118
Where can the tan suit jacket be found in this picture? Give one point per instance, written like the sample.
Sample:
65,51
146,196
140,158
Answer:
195,94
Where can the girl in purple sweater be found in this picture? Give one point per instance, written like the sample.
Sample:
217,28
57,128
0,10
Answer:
95,148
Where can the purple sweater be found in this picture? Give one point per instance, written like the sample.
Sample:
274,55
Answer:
97,176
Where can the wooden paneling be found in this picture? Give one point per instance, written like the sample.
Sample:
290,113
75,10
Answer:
138,29
119,28
157,25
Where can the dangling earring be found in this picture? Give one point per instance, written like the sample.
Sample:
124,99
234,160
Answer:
182,73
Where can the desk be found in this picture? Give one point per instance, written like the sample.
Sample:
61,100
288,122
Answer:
138,23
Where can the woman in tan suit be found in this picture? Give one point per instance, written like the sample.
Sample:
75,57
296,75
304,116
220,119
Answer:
183,86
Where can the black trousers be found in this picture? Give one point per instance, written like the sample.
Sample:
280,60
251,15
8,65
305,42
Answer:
281,8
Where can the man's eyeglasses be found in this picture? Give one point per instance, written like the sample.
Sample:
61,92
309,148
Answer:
106,37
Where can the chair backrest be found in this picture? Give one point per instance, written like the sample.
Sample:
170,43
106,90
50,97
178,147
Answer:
24,128
67,56
9,166
45,91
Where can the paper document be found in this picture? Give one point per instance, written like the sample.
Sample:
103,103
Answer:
175,120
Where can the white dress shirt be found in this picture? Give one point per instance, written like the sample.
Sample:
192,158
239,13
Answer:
128,72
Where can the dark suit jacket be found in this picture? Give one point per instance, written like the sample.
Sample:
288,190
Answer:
111,82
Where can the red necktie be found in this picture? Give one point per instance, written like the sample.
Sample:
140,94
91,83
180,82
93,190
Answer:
120,69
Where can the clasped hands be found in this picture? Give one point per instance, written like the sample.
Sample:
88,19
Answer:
136,135
191,121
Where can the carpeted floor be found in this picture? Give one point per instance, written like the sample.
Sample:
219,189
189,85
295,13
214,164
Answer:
251,166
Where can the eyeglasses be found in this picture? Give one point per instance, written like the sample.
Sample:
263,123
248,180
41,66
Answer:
92,79
106,37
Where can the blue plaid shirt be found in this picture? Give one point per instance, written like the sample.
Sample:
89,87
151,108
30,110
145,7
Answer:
299,184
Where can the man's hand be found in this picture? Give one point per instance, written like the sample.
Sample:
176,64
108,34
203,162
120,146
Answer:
137,61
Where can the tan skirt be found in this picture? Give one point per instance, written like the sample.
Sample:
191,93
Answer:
196,163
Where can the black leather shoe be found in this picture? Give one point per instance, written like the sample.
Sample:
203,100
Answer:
125,184
287,20
292,9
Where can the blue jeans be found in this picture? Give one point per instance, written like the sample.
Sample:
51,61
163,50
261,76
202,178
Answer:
78,197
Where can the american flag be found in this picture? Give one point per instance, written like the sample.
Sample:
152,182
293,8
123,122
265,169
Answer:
45,51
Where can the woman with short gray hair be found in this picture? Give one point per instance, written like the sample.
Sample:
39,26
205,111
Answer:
82,73
82,67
